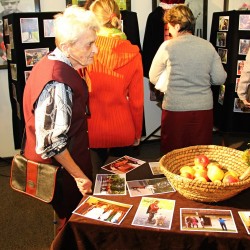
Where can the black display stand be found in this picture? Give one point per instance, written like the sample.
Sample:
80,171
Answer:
26,36
227,37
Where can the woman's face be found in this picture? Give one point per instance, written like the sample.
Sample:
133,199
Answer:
82,52
173,30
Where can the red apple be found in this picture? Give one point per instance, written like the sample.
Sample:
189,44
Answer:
187,175
201,160
230,179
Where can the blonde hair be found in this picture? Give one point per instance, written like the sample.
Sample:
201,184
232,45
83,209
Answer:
70,25
182,15
107,12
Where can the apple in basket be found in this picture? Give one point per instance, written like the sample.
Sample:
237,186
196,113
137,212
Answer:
201,175
201,160
215,173
230,177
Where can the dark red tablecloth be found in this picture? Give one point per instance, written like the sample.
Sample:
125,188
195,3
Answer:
84,233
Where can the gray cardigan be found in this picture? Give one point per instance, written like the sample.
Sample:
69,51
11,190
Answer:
192,65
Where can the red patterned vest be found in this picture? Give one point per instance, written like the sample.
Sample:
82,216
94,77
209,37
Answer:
52,70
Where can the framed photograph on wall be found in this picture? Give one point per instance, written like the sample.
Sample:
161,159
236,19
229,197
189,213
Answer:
199,9
16,6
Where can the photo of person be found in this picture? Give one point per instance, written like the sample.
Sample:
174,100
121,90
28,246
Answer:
155,168
48,25
155,213
103,210
244,46
123,165
224,23
110,184
221,39
240,65
210,220
29,30
223,55
240,107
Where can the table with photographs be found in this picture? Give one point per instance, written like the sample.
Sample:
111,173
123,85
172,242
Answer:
84,233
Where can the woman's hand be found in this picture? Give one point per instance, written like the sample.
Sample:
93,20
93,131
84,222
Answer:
84,185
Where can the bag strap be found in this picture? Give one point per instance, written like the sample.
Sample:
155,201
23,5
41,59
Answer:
23,142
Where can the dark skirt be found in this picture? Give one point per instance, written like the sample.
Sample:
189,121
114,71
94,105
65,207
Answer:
183,129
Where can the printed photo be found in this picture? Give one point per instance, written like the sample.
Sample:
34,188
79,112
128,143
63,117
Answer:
207,220
149,187
244,22
223,23
26,75
11,36
240,65
237,81
32,56
244,46
103,210
8,52
239,106
110,184
155,167
123,165
48,25
29,30
5,27
223,55
221,39
245,217
154,213
18,110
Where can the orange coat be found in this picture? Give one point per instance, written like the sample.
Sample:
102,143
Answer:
116,94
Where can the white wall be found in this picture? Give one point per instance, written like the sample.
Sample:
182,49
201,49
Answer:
152,111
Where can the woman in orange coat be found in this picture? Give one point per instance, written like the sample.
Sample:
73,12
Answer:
115,86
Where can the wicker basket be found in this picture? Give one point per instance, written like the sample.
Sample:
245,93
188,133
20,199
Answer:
229,158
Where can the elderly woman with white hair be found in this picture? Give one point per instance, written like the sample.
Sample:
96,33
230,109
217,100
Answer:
55,108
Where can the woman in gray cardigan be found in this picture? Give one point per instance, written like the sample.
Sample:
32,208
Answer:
191,66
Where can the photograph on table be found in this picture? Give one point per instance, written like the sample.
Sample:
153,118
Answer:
207,220
245,217
149,187
244,46
123,165
110,184
32,56
103,210
155,167
154,213
29,30
223,23
221,39
244,22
